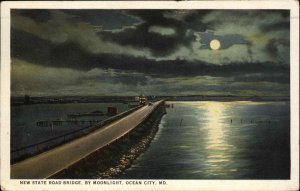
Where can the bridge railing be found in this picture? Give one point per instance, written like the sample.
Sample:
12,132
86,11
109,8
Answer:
36,148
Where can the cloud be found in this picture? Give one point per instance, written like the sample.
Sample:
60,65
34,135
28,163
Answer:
162,30
278,49
161,34
128,52
225,40
106,19
258,27
276,26
38,15
116,77
73,56
38,80
28,78
60,29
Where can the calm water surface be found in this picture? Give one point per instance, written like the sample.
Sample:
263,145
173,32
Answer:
24,130
219,140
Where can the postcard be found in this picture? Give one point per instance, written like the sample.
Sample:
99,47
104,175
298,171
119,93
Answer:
150,95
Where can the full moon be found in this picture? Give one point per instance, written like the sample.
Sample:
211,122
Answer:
215,44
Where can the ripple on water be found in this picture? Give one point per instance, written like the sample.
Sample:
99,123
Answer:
219,140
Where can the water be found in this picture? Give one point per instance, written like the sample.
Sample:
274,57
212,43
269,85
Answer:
24,130
219,140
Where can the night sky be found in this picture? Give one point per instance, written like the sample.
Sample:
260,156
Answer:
151,52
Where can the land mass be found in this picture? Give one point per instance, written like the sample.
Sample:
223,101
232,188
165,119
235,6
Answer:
15,101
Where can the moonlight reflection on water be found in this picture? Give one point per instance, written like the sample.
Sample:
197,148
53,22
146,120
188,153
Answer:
218,140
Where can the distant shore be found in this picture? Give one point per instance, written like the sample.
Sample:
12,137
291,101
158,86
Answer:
228,98
17,101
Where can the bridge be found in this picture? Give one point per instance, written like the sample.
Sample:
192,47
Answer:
59,158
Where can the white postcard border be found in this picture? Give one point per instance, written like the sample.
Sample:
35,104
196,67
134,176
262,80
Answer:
14,184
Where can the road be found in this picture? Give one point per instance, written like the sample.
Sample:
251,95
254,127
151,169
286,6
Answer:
50,162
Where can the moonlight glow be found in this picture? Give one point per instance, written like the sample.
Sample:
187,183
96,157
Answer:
113,52
215,44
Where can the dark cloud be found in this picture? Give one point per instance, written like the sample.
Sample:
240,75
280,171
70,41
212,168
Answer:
39,15
282,25
29,47
118,78
273,48
196,16
151,51
156,17
250,15
140,37
108,19
71,55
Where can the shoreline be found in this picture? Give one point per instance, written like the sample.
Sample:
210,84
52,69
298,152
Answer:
127,159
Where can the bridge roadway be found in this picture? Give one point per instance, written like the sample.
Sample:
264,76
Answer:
55,160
